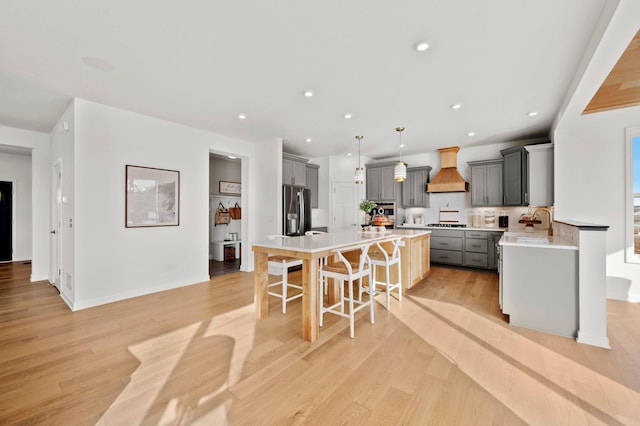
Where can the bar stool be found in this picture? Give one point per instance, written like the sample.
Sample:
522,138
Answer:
381,257
346,271
282,264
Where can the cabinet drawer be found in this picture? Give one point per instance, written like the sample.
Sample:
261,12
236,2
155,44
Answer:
478,246
476,234
446,256
478,260
446,243
439,232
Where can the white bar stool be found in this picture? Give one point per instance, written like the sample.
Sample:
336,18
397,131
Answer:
346,271
381,257
282,264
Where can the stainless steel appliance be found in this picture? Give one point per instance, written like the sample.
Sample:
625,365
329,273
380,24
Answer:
296,216
447,225
388,210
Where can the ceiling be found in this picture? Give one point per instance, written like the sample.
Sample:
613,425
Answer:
203,63
621,88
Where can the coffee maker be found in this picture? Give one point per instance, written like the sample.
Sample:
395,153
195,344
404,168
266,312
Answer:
503,219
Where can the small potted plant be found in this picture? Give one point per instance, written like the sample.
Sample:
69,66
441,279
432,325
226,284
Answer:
366,206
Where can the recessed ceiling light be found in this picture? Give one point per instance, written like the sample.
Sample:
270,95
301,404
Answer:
532,113
421,46
348,116
456,106
308,93
307,140
471,134
97,63
401,145
231,156
348,154
242,116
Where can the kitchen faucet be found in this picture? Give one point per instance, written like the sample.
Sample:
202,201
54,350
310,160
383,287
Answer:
548,211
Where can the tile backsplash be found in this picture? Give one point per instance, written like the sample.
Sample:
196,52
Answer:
460,201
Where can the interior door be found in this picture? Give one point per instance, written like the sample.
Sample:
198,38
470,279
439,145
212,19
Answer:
56,249
345,206
6,221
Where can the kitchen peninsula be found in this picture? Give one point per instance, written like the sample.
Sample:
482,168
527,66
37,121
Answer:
557,284
311,248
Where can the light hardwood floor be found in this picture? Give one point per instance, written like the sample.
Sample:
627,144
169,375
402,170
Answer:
195,355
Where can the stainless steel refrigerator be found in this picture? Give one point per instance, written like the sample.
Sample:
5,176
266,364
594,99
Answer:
296,210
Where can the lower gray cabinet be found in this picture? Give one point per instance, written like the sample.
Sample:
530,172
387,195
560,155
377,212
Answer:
446,246
475,249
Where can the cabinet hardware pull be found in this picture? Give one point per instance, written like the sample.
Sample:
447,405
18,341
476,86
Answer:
444,244
475,245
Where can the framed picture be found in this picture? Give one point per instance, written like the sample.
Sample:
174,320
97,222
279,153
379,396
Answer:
232,188
152,197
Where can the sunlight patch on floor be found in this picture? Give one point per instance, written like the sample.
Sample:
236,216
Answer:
516,370
161,357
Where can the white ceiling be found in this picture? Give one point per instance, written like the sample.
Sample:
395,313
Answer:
202,62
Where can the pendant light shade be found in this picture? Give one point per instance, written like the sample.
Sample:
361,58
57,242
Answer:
359,175
400,170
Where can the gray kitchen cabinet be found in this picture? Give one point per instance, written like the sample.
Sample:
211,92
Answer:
414,189
476,249
515,176
486,182
294,170
446,246
312,183
528,175
381,186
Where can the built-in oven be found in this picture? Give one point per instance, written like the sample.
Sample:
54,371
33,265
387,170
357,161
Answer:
388,209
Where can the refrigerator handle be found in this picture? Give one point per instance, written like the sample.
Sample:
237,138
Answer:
301,206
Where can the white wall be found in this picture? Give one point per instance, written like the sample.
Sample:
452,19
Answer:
16,168
113,262
39,145
590,153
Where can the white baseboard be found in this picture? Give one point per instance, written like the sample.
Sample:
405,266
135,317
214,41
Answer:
35,278
601,341
90,303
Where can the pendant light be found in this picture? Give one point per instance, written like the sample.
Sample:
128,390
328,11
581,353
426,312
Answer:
359,175
400,170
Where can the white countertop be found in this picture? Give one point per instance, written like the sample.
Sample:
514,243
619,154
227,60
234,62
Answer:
333,240
535,239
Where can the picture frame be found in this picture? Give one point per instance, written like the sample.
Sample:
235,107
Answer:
230,188
152,197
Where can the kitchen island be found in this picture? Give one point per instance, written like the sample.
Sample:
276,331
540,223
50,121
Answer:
539,282
310,249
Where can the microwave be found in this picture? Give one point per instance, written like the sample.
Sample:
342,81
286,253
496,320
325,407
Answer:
388,209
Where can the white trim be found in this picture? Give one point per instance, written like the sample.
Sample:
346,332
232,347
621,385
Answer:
90,303
630,256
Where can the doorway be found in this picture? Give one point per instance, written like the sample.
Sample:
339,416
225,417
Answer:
345,210
225,236
6,221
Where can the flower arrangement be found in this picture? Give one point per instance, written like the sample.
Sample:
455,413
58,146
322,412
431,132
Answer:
367,205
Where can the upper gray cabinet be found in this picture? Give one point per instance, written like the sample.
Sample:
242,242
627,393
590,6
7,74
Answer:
528,175
540,174
414,189
312,183
381,186
486,182
294,170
